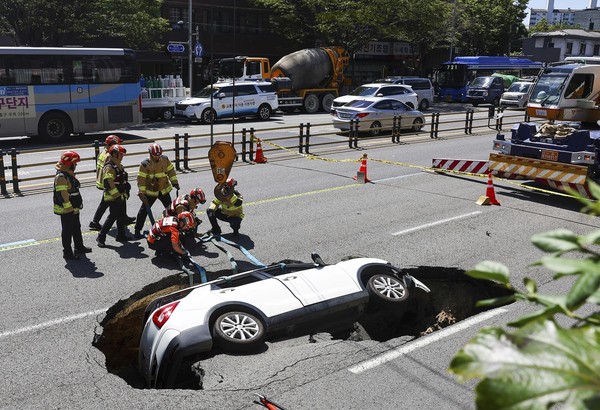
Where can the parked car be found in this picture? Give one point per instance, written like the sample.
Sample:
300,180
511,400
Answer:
399,92
237,312
376,114
517,95
485,90
251,99
420,85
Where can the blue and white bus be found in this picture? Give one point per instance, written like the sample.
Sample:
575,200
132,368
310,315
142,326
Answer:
453,76
55,92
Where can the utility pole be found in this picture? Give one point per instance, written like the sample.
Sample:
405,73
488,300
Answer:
190,56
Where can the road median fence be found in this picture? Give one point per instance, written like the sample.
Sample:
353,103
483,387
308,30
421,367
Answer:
21,172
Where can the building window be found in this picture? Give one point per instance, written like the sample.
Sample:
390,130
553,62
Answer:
596,49
569,49
582,49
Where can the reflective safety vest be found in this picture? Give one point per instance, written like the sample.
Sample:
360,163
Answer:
178,205
231,207
100,162
67,197
115,182
156,177
166,227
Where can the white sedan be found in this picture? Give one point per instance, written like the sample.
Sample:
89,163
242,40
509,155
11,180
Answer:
237,312
376,115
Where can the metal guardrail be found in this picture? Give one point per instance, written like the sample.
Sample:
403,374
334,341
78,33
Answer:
184,153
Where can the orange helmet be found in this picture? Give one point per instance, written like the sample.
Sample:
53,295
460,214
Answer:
231,182
155,150
188,220
115,149
198,195
68,158
112,140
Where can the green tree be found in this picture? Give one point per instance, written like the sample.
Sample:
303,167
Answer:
132,23
543,26
487,27
551,356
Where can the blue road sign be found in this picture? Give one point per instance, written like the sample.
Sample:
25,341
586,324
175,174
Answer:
175,48
198,50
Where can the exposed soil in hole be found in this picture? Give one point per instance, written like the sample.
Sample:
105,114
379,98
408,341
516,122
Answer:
452,299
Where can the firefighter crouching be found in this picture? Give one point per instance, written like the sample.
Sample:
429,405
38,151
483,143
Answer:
116,192
229,210
165,235
156,178
67,203
188,202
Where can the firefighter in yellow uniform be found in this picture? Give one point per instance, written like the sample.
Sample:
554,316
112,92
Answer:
156,178
229,210
67,203
100,162
116,192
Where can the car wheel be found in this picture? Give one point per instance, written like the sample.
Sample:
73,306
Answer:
424,104
54,126
264,112
208,116
167,114
238,331
387,290
311,104
417,124
375,128
327,102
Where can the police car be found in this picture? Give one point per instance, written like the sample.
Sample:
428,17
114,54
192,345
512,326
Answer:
251,99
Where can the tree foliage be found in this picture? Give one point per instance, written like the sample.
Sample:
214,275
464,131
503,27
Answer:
540,363
488,27
133,23
543,26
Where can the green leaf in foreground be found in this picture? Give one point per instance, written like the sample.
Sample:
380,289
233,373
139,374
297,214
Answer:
560,240
491,270
532,367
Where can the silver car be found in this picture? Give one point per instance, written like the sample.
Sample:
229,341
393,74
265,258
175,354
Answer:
398,92
376,115
517,95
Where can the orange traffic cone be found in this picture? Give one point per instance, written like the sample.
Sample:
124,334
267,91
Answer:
361,175
260,158
490,195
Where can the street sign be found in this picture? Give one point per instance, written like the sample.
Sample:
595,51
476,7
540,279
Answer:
198,50
175,48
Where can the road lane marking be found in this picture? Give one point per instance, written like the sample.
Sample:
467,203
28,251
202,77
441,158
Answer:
18,244
51,323
442,221
424,341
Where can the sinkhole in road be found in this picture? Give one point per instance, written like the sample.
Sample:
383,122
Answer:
452,299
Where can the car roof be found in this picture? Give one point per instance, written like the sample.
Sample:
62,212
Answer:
375,99
227,83
385,85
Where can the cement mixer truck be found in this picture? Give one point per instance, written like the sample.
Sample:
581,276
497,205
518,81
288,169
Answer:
307,79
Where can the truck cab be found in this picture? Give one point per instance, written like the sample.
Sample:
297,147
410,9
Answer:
245,68
485,90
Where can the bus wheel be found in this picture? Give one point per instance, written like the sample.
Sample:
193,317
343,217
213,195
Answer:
54,126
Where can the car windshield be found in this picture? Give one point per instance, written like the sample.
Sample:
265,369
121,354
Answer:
548,88
519,87
482,82
364,91
205,92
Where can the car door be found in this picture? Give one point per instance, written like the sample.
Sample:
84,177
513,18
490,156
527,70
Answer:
320,284
401,110
246,101
384,114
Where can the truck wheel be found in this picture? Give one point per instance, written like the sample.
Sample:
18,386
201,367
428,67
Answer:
264,112
208,116
166,114
311,104
326,102
54,126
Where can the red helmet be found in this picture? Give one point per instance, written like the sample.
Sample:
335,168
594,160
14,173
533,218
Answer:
112,140
231,182
155,150
115,149
198,195
68,158
188,220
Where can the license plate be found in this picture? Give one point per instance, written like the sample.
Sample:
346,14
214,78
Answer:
550,155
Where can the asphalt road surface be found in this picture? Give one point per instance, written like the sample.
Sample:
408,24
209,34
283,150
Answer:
51,309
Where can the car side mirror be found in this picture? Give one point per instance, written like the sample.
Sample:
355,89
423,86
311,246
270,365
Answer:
317,259
221,95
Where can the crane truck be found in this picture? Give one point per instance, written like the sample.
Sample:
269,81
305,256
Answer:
561,149
307,79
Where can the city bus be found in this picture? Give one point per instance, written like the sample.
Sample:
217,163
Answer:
53,92
453,76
